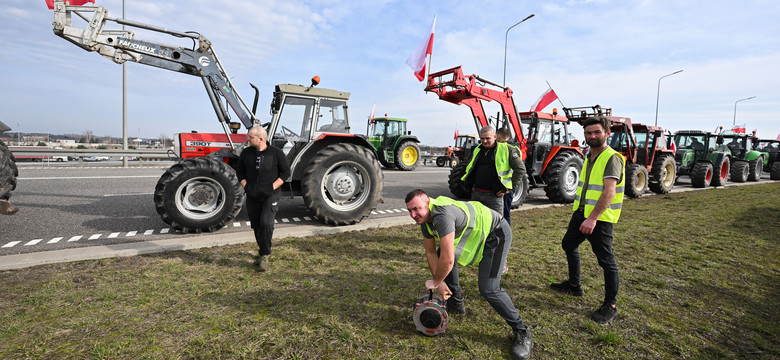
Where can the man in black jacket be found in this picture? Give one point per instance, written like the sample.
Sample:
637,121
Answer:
262,169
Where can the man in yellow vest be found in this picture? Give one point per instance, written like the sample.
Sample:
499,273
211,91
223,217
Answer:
468,233
597,206
494,170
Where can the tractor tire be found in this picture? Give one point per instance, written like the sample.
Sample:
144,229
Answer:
702,175
198,195
774,172
454,161
755,168
521,193
739,171
722,173
342,184
8,172
407,155
441,161
636,180
562,177
663,174
457,186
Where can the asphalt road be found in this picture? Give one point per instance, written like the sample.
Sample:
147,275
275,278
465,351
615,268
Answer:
71,206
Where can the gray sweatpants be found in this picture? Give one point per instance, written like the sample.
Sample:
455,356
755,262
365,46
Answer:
493,202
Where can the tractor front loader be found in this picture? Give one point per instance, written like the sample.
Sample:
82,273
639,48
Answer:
335,172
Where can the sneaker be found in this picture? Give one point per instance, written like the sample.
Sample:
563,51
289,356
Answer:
521,348
605,314
566,287
456,305
263,263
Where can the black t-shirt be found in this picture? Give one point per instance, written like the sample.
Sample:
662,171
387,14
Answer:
260,169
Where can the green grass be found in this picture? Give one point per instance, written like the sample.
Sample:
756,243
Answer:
699,278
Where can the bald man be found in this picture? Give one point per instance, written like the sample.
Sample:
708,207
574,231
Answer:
262,169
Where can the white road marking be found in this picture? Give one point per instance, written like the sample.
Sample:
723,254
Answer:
164,231
236,224
113,235
306,218
33,242
148,232
296,219
285,220
75,238
132,233
95,236
55,240
11,244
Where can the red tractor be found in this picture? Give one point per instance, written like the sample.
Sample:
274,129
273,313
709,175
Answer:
457,154
552,157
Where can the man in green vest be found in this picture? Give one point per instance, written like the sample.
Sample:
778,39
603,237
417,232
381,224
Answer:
597,206
468,233
494,170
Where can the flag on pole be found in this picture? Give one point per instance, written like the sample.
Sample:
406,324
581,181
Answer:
371,117
672,145
50,3
545,99
416,61
739,128
456,134
778,136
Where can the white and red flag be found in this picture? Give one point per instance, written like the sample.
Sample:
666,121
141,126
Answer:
416,61
739,128
672,145
456,134
545,99
50,3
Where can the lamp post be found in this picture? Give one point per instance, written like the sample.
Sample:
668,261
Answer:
506,37
658,94
735,109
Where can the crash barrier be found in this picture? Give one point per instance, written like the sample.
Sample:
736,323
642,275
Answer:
28,153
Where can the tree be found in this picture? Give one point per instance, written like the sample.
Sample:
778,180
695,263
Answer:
165,141
87,137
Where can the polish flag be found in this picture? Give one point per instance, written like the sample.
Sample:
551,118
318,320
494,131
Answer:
50,3
739,128
456,135
545,99
778,136
672,145
416,61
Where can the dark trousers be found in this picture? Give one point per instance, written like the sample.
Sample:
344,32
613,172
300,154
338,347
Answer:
601,243
262,215
497,247
508,206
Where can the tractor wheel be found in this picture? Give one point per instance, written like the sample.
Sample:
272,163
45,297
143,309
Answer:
520,193
756,166
441,160
739,171
702,175
636,180
774,172
342,184
454,161
721,173
457,186
663,175
407,155
562,176
8,172
197,195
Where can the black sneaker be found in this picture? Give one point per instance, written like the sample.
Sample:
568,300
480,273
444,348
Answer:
456,305
605,314
566,287
521,348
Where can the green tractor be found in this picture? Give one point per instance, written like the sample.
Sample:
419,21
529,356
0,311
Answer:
702,156
395,147
770,151
746,163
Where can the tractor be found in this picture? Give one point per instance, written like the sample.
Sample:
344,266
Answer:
555,165
702,156
396,147
464,144
336,173
770,149
8,173
649,161
746,163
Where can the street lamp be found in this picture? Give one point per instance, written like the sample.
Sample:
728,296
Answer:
735,109
506,37
658,94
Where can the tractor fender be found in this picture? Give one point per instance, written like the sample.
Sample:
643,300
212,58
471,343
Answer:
752,155
555,150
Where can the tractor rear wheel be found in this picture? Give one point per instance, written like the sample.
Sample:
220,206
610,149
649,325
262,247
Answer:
636,180
342,184
457,186
721,173
407,155
520,193
739,171
562,176
197,195
702,175
756,166
774,172
663,175
441,160
8,172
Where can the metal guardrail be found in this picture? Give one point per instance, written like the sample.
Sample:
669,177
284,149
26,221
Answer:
56,155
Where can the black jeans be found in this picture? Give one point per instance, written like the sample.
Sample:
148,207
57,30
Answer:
262,215
601,243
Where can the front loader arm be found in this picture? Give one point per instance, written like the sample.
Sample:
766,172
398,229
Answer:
120,46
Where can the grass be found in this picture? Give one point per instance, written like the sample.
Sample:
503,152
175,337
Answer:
699,279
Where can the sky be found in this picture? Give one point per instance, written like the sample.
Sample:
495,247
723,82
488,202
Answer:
606,52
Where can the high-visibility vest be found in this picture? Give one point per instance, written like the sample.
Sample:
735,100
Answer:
471,241
596,187
503,168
